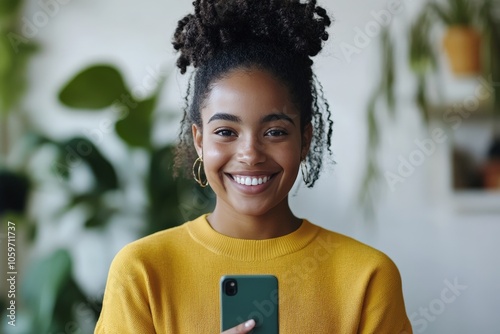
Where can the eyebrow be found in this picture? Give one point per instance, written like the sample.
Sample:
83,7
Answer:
265,119
225,117
277,117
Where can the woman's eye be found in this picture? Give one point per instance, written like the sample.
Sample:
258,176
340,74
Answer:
224,133
276,133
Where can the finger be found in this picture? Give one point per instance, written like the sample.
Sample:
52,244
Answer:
241,328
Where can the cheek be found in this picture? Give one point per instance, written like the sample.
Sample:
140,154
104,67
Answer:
288,158
291,154
215,155
293,164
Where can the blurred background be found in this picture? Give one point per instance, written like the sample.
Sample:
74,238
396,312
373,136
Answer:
90,101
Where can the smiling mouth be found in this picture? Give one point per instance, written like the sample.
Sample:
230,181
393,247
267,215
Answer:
251,180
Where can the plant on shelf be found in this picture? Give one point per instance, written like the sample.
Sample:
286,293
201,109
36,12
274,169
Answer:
475,27
472,45
462,40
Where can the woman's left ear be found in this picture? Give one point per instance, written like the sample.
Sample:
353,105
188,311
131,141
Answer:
197,139
306,140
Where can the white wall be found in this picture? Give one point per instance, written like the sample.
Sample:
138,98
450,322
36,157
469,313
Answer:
426,238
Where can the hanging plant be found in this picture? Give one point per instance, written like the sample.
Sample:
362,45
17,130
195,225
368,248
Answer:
462,40
472,57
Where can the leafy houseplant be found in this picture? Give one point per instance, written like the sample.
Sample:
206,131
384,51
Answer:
52,296
469,27
462,41
484,19
49,298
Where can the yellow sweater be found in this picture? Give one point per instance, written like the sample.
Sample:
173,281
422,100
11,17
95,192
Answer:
168,282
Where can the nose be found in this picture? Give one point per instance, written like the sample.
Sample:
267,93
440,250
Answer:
251,151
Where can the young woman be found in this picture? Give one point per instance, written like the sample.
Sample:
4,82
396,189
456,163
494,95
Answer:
255,118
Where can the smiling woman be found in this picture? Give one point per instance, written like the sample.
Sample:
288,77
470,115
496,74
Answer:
256,139
256,116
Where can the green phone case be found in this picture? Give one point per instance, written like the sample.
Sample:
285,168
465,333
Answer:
256,298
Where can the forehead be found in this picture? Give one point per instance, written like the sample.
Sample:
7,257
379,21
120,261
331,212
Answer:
249,92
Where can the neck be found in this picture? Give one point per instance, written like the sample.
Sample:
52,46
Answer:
275,223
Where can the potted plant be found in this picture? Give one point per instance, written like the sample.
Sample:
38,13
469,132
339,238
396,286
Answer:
462,40
483,20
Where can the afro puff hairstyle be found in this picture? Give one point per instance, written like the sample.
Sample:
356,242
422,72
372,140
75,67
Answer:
277,36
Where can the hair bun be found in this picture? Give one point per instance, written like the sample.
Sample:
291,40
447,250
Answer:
295,26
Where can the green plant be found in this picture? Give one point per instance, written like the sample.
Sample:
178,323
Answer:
102,86
13,61
52,294
50,299
422,61
14,56
382,99
456,12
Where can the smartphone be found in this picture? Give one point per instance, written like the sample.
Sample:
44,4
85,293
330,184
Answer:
245,297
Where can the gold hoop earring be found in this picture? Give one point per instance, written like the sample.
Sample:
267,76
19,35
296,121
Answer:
197,172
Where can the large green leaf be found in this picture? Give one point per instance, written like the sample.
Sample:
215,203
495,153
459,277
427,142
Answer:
100,216
81,148
96,87
135,128
71,305
43,284
8,11
99,213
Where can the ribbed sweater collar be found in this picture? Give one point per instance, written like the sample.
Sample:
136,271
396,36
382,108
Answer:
250,250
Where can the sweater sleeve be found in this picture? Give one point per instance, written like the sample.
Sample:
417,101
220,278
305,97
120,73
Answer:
126,304
383,308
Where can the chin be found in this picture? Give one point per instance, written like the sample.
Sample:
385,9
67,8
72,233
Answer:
251,210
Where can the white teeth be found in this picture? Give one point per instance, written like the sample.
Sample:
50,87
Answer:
251,181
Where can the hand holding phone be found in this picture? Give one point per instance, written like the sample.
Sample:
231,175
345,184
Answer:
245,297
243,328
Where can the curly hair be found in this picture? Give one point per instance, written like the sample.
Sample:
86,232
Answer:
277,36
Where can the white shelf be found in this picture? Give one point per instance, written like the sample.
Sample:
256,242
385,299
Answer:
477,201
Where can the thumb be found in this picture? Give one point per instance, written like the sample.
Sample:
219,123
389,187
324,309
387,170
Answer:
241,328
